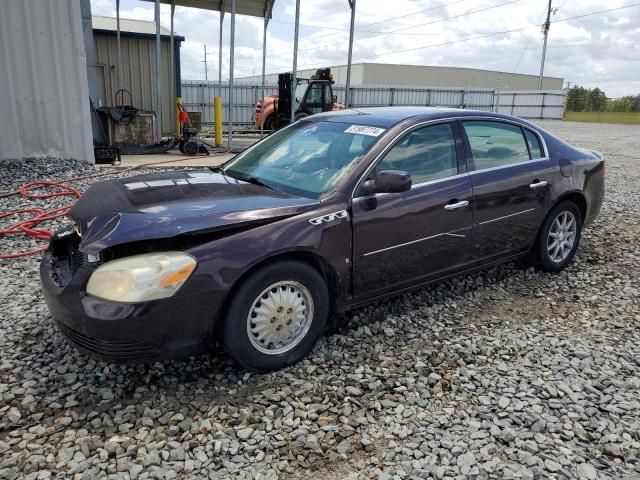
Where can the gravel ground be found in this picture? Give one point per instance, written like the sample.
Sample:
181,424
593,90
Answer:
508,373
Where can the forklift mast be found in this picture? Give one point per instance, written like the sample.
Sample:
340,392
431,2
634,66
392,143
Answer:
284,94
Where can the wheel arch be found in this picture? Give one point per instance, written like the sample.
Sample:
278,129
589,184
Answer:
320,264
576,197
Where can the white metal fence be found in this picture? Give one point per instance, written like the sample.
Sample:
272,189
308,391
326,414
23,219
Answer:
198,96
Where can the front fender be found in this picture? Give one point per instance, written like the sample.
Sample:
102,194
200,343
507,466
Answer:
325,233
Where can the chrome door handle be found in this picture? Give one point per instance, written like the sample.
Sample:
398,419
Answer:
454,206
540,184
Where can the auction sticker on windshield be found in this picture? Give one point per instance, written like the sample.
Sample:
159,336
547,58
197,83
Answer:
365,130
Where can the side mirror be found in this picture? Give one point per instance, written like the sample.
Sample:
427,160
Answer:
335,98
388,181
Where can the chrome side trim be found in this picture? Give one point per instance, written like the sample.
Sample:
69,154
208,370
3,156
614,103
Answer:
412,242
506,216
438,180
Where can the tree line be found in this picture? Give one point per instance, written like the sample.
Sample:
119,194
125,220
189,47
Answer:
581,99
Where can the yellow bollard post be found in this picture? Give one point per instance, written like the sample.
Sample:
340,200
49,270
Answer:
178,109
217,118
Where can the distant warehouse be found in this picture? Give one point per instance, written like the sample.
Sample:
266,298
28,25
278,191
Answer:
428,76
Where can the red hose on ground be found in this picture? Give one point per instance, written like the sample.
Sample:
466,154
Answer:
26,227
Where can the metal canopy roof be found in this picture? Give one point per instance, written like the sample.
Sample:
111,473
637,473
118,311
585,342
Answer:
253,8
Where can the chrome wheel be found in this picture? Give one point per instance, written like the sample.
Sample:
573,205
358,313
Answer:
562,236
280,317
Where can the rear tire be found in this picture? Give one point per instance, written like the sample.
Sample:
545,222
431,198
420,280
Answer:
276,316
301,115
558,238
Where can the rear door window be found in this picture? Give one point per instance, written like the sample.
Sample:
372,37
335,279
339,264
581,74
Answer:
494,144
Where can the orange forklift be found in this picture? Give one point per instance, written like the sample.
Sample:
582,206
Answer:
311,96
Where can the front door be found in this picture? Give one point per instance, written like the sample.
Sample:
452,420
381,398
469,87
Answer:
511,177
405,238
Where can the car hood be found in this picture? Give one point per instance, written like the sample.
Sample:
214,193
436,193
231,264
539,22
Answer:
165,205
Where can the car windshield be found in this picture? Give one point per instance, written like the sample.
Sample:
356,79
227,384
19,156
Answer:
307,158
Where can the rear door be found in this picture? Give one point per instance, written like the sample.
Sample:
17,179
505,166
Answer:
405,238
511,177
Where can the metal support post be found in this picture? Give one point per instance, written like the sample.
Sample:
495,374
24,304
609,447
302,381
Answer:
294,81
173,71
118,45
264,61
220,49
347,92
231,54
158,75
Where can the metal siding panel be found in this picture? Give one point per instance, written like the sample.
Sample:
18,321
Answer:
138,74
44,92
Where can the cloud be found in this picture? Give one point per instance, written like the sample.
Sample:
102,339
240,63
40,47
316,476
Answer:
599,50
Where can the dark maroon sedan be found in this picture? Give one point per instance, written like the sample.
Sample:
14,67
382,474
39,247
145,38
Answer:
334,211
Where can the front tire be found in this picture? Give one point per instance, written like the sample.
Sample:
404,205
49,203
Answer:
271,123
559,237
276,316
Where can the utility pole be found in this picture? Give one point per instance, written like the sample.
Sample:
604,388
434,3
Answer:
206,76
545,31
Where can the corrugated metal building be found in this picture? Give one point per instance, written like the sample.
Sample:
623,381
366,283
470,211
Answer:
137,39
421,75
44,95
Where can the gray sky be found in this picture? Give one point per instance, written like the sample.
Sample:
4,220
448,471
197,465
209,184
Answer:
597,50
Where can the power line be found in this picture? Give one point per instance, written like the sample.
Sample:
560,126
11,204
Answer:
431,46
488,34
596,13
359,28
510,2
414,26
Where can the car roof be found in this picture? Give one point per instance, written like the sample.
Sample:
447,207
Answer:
388,116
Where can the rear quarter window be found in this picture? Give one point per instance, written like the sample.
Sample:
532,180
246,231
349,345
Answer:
534,144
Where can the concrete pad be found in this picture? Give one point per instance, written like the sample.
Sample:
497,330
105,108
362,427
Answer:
171,159
176,159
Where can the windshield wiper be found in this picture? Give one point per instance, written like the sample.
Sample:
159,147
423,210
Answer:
218,169
250,179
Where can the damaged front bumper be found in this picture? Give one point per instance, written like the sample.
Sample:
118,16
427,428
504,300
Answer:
119,332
